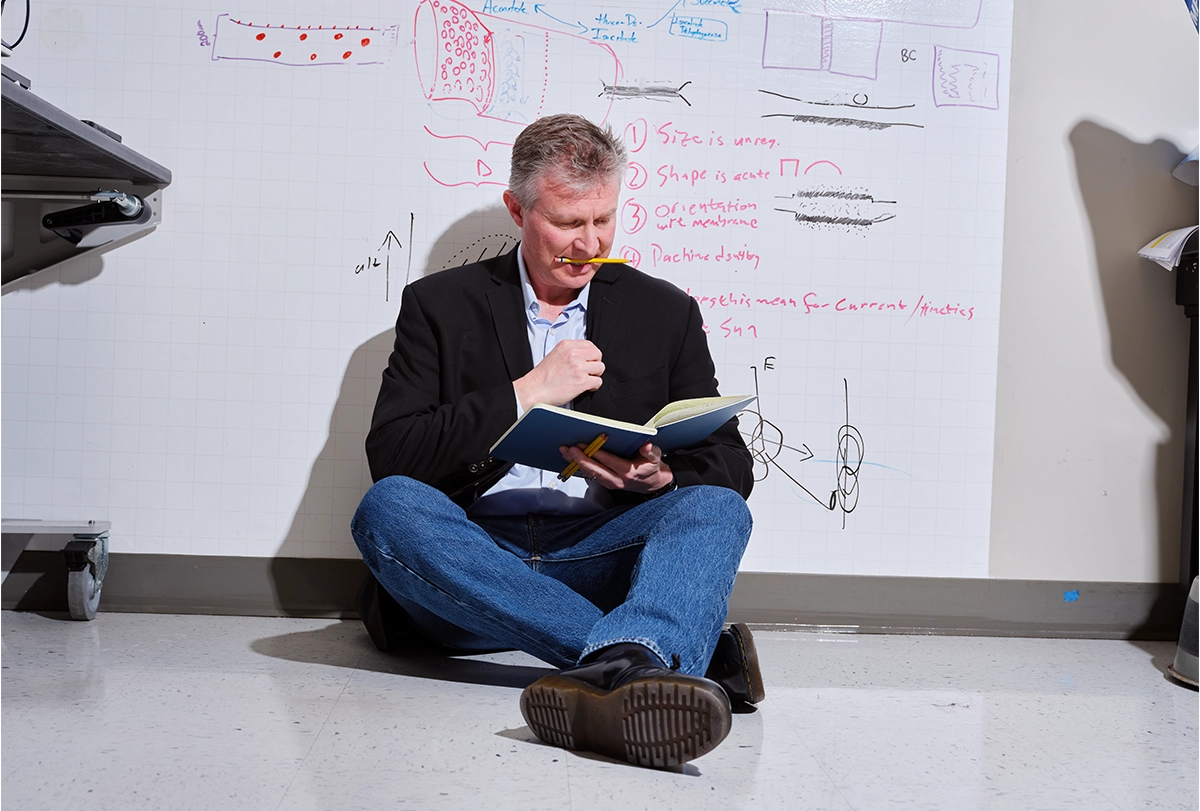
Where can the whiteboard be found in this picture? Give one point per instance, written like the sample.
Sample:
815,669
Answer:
825,177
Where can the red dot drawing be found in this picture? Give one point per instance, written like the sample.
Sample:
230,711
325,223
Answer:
313,45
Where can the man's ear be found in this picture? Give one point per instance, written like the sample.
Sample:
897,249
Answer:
514,208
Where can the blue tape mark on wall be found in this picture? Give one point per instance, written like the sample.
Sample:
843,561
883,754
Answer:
1070,596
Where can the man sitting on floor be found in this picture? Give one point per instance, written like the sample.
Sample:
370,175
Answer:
621,575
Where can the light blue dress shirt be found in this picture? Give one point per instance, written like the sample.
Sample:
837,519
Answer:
524,489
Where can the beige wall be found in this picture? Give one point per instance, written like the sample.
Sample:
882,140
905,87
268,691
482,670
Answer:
1093,348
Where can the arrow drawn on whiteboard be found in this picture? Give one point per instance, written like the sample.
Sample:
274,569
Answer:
539,8
373,261
766,443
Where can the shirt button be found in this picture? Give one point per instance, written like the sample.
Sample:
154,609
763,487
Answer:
553,485
553,330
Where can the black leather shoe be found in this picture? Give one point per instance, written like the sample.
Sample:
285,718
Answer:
625,705
385,620
734,666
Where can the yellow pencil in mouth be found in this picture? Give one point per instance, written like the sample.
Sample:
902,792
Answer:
599,260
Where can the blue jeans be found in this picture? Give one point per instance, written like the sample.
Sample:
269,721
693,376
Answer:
559,587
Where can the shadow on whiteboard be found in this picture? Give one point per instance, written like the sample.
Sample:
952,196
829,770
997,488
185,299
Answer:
473,237
1131,197
340,476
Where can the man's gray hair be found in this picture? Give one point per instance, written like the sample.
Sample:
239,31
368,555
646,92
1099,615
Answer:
579,155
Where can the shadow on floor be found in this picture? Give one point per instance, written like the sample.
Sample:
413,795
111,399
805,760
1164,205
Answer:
1160,658
346,644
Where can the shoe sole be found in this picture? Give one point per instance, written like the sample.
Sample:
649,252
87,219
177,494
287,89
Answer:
658,722
751,670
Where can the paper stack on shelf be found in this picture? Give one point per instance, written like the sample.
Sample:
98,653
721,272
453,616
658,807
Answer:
1166,249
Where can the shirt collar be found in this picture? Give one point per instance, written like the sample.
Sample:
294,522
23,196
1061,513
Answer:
580,302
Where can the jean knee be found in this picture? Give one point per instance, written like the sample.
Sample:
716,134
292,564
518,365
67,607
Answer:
379,501
382,511
720,501
735,508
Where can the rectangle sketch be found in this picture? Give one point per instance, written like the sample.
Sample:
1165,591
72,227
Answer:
301,45
843,38
966,78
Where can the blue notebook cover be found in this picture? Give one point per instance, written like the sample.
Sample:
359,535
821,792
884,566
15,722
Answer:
534,439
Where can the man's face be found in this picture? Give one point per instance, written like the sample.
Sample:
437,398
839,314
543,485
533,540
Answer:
563,223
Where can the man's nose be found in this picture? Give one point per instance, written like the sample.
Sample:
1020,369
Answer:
589,239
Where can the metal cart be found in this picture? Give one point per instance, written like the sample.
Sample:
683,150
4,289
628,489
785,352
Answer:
86,555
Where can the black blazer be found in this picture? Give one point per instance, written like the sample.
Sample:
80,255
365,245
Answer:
461,341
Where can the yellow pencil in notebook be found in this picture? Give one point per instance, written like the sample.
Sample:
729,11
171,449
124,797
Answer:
591,449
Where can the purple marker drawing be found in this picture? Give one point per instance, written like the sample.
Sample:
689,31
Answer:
852,47
805,42
843,38
301,45
966,78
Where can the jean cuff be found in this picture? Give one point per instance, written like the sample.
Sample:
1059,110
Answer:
637,640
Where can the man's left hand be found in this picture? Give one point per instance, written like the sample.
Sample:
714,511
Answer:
644,473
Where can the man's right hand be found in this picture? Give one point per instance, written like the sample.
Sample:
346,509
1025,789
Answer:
571,368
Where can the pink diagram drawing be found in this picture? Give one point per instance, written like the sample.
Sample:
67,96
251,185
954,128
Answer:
504,69
814,164
301,45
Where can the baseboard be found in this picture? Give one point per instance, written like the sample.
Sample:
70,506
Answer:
194,584
958,606
309,587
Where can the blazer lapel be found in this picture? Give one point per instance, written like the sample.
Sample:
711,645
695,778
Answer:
507,306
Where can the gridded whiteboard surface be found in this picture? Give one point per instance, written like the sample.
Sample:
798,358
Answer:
826,178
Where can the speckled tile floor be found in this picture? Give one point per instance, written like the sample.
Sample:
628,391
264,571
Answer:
141,711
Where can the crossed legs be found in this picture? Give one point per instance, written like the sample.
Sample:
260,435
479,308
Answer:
658,574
